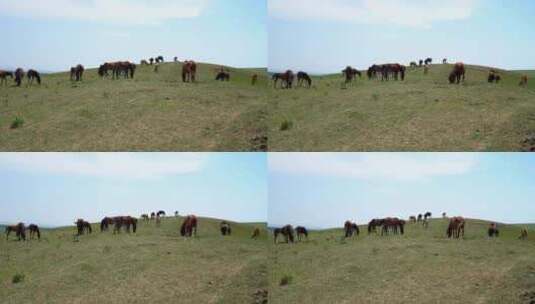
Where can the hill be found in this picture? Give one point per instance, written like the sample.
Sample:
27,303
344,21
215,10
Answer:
152,112
420,267
422,113
155,265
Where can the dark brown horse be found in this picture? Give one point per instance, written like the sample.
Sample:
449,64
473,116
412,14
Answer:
287,231
444,61
189,226
392,225
124,68
427,215
160,213
457,73
4,75
286,79
189,69
523,81
493,77
222,76
256,233
420,217
301,232
19,229
19,75
373,224
159,59
124,221
33,74
303,77
145,217
83,227
456,227
428,61
392,69
254,79
350,229
225,229
412,219
493,230
34,231
413,64
77,72
350,74
105,223
152,215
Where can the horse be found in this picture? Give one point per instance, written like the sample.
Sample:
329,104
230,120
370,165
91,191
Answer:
83,227
350,74
444,215
420,62
412,219
189,226
126,68
3,76
159,59
413,64
254,79
145,217
33,74
19,229
456,227
124,221
189,69
392,68
523,81
303,77
427,215
287,231
175,59
176,213
373,224
225,229
420,217
105,223
256,233
222,76
152,215
77,72
392,225
457,73
286,79
151,60
428,61
350,229
523,233
19,75
160,213
493,77
301,231
34,230
444,61
493,230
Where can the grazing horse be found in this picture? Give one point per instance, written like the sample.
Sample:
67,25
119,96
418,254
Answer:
151,60
413,64
105,223
19,75
3,76
444,61
427,215
350,74
286,79
420,217
373,224
303,77
225,229
254,79
125,68
33,74
287,231
145,217
77,72
428,61
373,70
392,224
176,213
34,230
189,69
394,69
189,226
456,227
420,62
152,215
126,222
159,59
493,230
457,73
493,77
523,81
523,233
350,229
19,229
301,231
175,59
412,219
83,227
256,233
444,215
222,76
160,213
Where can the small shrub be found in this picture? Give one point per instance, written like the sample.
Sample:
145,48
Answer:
17,278
286,125
17,123
286,280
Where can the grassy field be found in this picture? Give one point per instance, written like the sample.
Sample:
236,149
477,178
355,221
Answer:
420,267
155,265
153,112
423,113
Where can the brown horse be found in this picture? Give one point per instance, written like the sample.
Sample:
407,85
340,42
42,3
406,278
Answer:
456,227
189,69
393,69
222,76
4,75
350,74
413,64
77,72
523,233
254,79
303,77
493,230
145,217
126,222
493,77
159,59
428,61
287,231
392,225
420,217
105,223
412,219
301,232
83,227
33,74
19,75
427,215
256,233
19,229
189,226
225,229
373,224
34,230
457,73
350,229
286,79
125,68
523,81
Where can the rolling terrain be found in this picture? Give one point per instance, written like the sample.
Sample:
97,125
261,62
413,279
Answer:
422,266
152,112
422,113
154,265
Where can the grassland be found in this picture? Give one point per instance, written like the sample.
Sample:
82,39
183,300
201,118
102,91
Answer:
420,267
155,265
423,113
153,112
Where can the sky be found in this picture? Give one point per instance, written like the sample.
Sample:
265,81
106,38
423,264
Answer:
322,190
54,35
321,37
54,189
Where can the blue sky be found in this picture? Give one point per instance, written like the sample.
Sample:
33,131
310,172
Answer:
54,35
54,189
322,190
325,36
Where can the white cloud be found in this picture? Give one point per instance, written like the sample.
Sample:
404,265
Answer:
112,11
373,166
105,165
414,13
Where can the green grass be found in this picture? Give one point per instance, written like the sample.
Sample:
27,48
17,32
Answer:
420,267
423,113
155,265
153,112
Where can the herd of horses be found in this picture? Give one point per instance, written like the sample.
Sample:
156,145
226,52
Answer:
18,76
391,225
20,231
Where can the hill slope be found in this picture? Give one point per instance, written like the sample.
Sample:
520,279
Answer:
423,113
154,111
155,265
420,267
